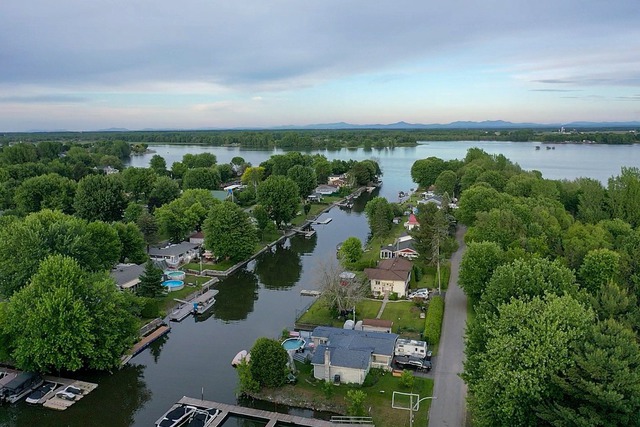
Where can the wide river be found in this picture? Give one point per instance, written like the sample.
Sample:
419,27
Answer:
264,298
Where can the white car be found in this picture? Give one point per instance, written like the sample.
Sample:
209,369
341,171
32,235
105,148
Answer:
419,293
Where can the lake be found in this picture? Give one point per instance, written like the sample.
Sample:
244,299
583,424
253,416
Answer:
264,298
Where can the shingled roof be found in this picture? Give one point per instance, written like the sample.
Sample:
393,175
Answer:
390,269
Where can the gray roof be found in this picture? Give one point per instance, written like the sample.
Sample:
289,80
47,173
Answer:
380,343
125,273
177,249
356,359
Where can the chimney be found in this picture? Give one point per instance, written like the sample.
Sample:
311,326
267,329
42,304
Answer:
327,364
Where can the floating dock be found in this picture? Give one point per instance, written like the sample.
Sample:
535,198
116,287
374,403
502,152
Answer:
310,293
62,404
272,418
326,221
199,304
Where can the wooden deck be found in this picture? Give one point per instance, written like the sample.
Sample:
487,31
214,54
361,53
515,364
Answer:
272,417
145,341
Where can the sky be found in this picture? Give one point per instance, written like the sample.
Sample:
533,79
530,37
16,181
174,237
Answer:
193,64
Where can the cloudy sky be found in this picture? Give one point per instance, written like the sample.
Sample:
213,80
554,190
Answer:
85,65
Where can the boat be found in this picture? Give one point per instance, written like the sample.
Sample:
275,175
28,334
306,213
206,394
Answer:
204,302
188,416
176,416
41,393
242,355
23,384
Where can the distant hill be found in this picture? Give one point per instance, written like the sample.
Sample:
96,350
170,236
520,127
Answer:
487,124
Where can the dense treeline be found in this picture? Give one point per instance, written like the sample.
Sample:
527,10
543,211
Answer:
553,274
332,139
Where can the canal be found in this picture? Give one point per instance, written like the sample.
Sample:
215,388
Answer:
264,298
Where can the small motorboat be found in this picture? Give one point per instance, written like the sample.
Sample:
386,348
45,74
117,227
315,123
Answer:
242,355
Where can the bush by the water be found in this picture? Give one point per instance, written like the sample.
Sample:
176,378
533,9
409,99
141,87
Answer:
433,323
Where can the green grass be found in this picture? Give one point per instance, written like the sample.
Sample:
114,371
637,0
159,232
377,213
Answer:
372,250
167,302
319,313
218,266
405,316
429,277
379,396
316,208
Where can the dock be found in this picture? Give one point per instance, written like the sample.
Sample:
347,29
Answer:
326,221
305,233
187,307
272,418
181,312
148,339
310,293
62,404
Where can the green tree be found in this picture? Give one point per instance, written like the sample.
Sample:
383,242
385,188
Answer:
68,319
351,250
207,178
407,379
132,212
580,238
380,216
226,172
100,197
279,196
262,217
613,301
132,241
355,403
425,172
202,160
148,226
50,191
598,267
229,232
525,279
246,382
479,198
591,201
624,195
268,364
477,266
526,344
150,285
139,182
253,176
185,214
164,190
158,164
305,178
602,385
446,182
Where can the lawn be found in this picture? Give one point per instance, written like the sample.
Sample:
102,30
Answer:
405,316
319,314
316,208
379,395
429,278
218,266
167,302
372,251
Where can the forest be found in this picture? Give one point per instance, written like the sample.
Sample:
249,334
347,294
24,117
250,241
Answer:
552,274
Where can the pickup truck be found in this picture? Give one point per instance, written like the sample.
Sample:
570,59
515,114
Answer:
412,362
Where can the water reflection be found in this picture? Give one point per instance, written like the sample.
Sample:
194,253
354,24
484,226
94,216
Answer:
236,297
304,246
279,268
155,348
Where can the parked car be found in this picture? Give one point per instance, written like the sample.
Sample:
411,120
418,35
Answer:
413,362
419,293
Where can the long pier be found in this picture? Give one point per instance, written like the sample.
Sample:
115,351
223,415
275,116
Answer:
272,418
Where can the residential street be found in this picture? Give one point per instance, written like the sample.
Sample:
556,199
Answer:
449,409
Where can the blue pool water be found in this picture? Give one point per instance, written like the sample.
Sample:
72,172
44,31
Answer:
293,343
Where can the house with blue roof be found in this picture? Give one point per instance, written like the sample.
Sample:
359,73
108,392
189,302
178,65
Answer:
347,355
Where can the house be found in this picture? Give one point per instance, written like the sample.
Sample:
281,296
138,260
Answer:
410,348
412,222
325,190
337,180
403,246
377,325
197,238
127,276
175,254
391,275
314,197
347,278
347,355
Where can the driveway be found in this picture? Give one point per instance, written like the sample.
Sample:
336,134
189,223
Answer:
449,409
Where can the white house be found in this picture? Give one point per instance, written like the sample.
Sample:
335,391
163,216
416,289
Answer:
175,254
401,247
347,355
391,275
325,190
197,238
411,223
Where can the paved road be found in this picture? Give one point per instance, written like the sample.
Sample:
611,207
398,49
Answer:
449,410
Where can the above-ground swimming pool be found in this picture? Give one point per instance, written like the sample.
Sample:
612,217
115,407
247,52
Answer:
293,343
174,274
173,285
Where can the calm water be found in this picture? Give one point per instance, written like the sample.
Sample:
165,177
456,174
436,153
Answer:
265,297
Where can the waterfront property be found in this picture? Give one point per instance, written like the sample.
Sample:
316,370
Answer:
175,254
347,355
127,276
391,275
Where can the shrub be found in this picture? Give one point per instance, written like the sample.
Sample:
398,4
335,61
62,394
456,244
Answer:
327,389
355,401
433,323
393,296
407,379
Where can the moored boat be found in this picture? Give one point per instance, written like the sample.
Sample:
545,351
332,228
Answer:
242,355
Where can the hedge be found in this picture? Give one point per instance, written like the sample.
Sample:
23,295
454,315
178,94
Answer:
433,323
